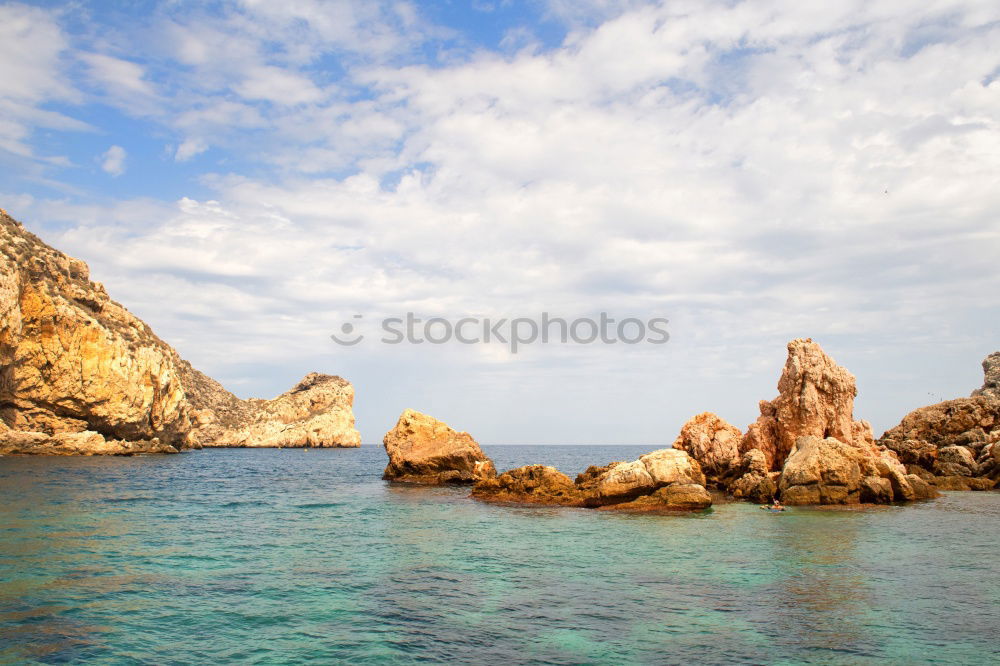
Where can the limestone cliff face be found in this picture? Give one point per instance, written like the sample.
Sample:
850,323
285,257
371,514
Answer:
74,361
317,412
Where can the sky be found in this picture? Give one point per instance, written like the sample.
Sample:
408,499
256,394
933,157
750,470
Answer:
249,176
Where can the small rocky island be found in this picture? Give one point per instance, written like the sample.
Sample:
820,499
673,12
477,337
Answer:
81,375
805,447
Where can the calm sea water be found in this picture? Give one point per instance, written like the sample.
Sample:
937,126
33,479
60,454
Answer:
285,556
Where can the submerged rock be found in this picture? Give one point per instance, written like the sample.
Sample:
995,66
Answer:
424,450
73,361
815,399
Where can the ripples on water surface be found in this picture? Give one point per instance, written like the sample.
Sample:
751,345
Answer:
286,556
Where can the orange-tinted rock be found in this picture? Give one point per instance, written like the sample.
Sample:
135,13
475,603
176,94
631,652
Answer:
532,484
815,399
663,480
422,449
828,471
712,442
753,480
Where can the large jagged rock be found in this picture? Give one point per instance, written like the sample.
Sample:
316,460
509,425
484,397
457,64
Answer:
663,480
815,399
74,361
829,471
423,450
713,442
991,382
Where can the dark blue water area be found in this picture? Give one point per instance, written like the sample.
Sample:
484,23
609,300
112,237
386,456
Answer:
291,556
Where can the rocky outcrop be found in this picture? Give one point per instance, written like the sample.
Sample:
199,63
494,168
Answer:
713,443
991,382
424,450
829,471
317,412
954,444
815,399
664,480
73,361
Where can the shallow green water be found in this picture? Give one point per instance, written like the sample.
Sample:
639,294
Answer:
242,556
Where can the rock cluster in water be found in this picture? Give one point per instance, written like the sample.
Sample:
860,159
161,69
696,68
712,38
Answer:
81,375
664,480
806,446
424,450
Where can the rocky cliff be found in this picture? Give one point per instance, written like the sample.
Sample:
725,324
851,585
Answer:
80,374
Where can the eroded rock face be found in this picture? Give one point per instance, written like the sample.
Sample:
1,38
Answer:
74,361
829,471
815,399
424,450
991,384
713,442
664,480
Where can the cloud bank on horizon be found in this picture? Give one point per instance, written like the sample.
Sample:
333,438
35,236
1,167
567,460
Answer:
248,176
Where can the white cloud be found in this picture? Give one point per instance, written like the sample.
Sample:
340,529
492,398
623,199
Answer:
31,48
120,77
113,160
755,172
189,148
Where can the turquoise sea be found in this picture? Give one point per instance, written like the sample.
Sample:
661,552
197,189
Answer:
291,556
